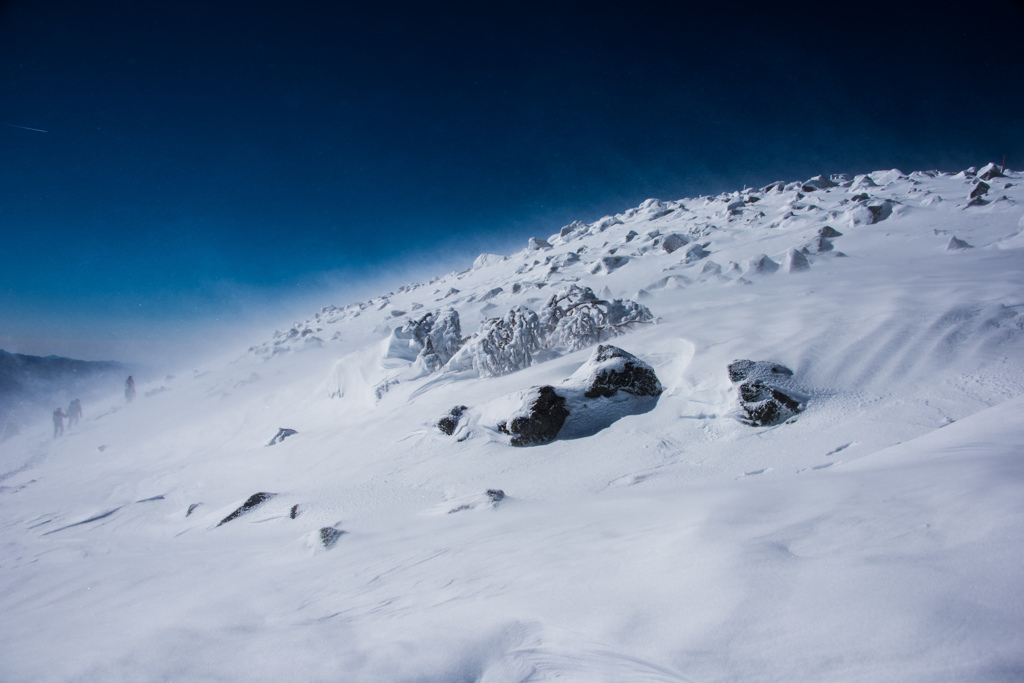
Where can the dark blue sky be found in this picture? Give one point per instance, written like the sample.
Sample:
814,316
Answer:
207,165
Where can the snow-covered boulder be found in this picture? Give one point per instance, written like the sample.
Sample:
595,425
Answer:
980,189
817,245
990,171
762,265
612,384
536,244
818,182
610,370
484,260
796,261
538,419
762,399
695,252
450,422
829,232
674,241
607,264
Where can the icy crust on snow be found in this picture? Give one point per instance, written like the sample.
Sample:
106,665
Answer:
853,542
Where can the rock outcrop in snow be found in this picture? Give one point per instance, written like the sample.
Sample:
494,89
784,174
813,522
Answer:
612,384
762,399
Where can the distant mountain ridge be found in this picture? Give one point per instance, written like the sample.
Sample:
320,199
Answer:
29,384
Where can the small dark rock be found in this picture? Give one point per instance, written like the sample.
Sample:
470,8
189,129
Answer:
817,245
763,402
829,231
956,244
294,511
282,434
990,171
192,508
740,370
630,235
254,501
863,197
449,422
547,413
977,201
880,211
496,495
632,375
329,536
980,189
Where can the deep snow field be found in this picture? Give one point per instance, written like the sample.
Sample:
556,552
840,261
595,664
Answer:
878,535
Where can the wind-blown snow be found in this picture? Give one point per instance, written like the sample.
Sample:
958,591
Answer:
875,535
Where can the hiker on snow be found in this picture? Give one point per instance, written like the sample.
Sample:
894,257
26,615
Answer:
58,422
74,412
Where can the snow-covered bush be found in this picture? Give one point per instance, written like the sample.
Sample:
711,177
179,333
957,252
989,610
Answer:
502,345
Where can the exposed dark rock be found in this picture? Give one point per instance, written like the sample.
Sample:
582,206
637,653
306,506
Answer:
282,434
765,405
329,536
762,400
630,235
990,171
830,232
880,211
741,370
796,261
817,245
449,422
762,264
980,189
674,241
192,508
863,197
545,416
622,371
956,244
294,511
977,201
818,182
254,501
496,495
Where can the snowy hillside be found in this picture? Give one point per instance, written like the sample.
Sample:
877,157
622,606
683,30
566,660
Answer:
768,435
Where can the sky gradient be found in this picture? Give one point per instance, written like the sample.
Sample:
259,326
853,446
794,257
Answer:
211,171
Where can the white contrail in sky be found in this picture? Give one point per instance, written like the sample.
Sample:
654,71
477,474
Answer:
38,130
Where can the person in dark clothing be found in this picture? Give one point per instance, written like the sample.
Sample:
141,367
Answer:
74,412
58,422
129,389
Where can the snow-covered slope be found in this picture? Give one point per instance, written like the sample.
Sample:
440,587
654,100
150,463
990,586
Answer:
871,532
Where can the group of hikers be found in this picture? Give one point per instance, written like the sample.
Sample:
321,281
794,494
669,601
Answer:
74,413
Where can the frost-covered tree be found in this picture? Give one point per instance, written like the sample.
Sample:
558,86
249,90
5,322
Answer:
576,318
502,345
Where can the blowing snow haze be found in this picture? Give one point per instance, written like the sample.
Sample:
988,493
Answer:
210,168
769,434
